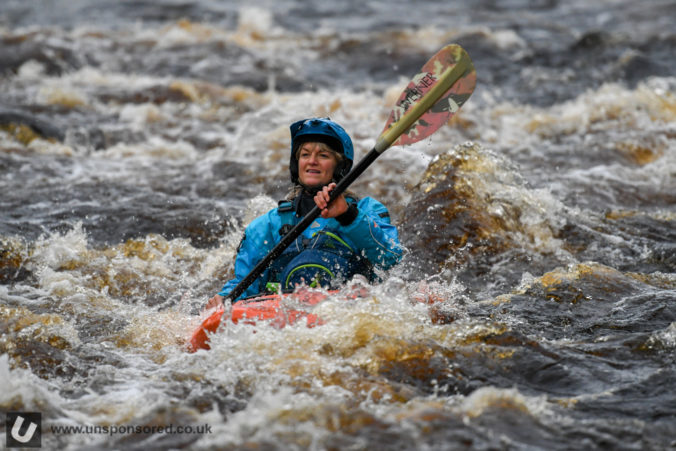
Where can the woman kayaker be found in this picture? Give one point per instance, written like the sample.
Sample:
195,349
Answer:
352,236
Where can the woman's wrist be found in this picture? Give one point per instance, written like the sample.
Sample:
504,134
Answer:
349,216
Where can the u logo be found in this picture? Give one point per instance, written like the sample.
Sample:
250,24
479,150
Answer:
19,435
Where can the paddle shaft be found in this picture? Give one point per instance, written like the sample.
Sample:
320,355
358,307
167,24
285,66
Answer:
294,233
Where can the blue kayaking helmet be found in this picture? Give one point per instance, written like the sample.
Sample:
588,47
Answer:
326,131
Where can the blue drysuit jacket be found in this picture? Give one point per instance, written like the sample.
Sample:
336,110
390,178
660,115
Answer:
370,233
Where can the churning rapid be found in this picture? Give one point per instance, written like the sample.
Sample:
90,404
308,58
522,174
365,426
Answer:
536,304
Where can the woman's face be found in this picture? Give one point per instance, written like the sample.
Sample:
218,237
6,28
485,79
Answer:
315,164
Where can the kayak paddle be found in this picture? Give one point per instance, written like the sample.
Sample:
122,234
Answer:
432,96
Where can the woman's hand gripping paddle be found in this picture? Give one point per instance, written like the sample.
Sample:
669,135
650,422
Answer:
443,85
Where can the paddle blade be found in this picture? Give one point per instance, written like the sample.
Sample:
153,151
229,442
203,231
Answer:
431,98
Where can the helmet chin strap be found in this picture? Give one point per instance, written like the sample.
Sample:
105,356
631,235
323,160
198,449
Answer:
313,190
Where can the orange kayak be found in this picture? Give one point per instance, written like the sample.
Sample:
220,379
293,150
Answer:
250,311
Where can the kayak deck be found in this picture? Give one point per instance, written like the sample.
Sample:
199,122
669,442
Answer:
250,311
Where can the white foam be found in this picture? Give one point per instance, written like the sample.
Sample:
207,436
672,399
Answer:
22,390
485,398
155,147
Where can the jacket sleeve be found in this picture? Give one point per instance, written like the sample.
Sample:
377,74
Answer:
373,234
255,245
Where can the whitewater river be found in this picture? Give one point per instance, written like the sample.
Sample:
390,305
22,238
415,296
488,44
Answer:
535,307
